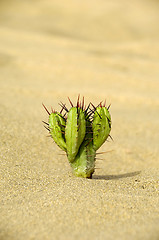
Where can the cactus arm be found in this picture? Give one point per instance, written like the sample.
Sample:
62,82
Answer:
101,126
57,129
74,132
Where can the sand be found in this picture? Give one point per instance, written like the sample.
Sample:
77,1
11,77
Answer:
103,50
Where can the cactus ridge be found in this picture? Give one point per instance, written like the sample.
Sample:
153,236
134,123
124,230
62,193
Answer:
80,131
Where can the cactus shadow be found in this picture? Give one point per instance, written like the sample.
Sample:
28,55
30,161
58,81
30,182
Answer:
116,176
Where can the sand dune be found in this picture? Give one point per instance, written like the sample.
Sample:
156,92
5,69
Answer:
103,50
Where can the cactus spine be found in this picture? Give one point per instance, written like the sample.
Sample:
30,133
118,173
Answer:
80,132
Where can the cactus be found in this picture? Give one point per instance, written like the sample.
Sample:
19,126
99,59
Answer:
80,132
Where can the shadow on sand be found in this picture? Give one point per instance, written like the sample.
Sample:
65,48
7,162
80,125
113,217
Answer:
111,177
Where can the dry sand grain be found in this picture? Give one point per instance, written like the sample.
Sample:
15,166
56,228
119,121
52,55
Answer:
102,49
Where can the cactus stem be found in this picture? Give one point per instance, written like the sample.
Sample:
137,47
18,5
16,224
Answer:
45,109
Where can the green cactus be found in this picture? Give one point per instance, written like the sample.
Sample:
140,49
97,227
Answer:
80,132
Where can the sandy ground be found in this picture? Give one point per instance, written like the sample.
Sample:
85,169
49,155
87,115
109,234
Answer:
103,50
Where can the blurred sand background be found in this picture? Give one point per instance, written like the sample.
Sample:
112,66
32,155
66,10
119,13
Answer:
103,50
